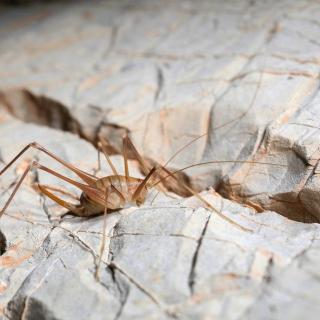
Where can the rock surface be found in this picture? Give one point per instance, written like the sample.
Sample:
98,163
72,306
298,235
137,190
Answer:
244,72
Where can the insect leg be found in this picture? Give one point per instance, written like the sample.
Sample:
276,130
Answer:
127,141
15,189
143,184
210,206
98,161
86,177
142,163
103,241
90,191
102,146
71,207
61,191
125,157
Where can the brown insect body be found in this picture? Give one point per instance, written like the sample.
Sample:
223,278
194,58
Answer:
120,191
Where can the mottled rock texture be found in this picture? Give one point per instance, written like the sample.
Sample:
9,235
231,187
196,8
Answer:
165,72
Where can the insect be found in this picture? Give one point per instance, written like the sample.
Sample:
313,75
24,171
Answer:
101,195
112,192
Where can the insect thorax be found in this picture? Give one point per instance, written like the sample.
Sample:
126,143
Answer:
107,186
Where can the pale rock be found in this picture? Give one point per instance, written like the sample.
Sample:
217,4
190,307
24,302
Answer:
165,72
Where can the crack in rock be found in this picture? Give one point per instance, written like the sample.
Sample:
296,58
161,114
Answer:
31,108
144,290
123,291
3,243
160,83
192,273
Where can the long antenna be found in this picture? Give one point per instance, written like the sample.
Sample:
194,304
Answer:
221,162
217,128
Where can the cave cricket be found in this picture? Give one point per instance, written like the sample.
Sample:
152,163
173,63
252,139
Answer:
114,192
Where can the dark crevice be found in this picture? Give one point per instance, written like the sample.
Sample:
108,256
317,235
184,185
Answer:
192,273
117,287
123,291
30,108
3,243
160,81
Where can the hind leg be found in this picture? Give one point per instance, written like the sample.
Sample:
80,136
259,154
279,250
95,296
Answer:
86,177
92,192
44,189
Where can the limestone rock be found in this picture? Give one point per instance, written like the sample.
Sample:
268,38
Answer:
164,72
